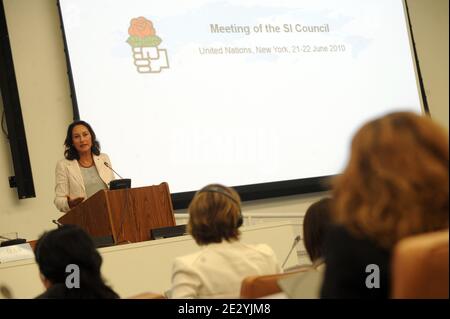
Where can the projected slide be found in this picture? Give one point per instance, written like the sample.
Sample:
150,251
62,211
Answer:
235,92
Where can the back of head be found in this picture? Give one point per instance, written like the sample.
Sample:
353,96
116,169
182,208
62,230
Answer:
315,224
70,245
215,215
396,181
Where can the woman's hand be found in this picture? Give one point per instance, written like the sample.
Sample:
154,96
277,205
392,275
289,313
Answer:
74,201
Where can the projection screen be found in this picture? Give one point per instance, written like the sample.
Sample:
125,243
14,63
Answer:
263,95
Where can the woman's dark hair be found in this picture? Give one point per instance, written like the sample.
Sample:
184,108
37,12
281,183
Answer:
71,153
70,245
315,224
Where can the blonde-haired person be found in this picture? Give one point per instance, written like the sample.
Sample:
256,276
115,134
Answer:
217,270
395,185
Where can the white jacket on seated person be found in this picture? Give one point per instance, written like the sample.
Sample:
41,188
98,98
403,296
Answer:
69,181
218,269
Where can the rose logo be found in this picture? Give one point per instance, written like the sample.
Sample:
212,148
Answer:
141,27
144,42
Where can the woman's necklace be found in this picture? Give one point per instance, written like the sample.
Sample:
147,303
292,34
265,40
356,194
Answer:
86,164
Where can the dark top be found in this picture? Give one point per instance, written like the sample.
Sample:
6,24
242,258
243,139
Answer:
60,291
346,259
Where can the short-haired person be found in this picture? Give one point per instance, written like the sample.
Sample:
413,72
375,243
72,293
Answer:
63,249
218,269
395,185
83,171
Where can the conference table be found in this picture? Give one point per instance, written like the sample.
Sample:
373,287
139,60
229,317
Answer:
146,266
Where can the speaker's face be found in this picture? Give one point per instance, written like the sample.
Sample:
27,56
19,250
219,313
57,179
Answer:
81,139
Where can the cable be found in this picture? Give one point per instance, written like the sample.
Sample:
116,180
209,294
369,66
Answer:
5,132
122,219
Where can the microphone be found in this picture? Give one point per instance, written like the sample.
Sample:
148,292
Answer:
118,183
57,223
11,241
294,244
107,165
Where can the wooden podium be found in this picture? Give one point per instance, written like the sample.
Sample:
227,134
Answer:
124,214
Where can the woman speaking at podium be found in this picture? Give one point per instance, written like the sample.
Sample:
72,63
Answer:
84,170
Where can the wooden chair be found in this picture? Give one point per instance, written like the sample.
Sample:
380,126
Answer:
148,295
420,266
253,287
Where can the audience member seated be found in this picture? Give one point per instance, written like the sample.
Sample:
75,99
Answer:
223,262
315,225
70,266
395,185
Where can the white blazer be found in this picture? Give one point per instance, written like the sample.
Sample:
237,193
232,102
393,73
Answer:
69,181
217,270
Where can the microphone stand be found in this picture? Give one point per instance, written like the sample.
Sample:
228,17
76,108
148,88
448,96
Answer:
57,223
107,165
296,241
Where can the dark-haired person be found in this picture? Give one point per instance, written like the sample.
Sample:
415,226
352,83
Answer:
69,251
316,223
223,262
395,185
82,172
315,226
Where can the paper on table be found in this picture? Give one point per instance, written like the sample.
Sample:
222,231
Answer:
16,252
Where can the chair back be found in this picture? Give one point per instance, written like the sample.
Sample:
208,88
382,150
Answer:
253,287
420,266
148,295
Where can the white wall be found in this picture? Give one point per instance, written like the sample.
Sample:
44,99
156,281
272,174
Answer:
38,54
41,73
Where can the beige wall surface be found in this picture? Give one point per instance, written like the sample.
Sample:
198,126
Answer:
41,73
39,62
429,19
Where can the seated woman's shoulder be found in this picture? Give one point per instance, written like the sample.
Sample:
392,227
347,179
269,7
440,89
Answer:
63,162
188,260
263,248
